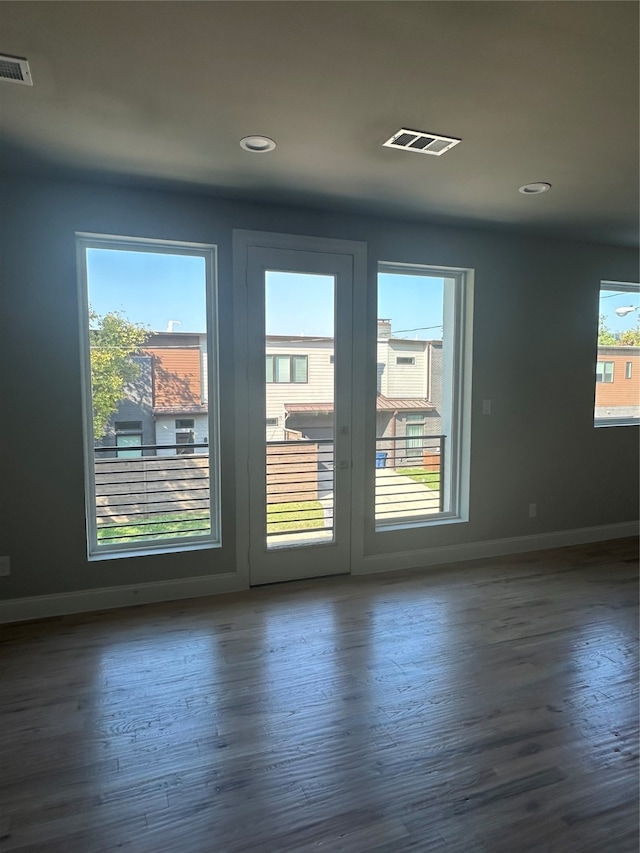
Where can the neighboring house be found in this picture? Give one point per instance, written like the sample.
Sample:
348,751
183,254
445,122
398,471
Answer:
167,404
299,377
617,382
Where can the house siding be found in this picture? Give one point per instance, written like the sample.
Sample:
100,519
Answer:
622,392
166,431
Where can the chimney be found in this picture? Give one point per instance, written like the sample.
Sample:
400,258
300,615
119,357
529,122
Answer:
384,329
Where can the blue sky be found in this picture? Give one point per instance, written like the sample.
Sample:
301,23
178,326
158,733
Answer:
154,288
148,288
610,300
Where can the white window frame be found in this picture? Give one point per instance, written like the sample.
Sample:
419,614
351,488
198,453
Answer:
456,404
95,550
633,289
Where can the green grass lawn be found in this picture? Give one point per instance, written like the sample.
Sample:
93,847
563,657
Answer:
166,526
300,515
427,478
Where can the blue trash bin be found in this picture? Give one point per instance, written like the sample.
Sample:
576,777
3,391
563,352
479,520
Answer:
381,459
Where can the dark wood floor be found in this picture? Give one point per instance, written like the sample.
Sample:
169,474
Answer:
483,707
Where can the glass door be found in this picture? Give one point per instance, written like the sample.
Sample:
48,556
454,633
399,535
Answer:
299,431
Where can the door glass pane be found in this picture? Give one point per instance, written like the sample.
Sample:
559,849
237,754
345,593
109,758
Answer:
148,347
299,393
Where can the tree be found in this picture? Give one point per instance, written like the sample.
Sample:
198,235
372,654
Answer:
630,337
114,339
607,338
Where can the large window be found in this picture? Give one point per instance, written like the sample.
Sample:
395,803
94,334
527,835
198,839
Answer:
148,321
617,383
423,395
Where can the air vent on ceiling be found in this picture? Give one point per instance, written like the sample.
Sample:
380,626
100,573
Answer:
420,141
15,69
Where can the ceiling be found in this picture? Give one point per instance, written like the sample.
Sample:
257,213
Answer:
159,94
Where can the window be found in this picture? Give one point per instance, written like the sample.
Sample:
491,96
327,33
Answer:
604,371
134,380
272,422
287,368
128,434
414,439
185,436
423,478
617,385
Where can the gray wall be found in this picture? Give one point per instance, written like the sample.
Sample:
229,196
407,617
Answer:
536,306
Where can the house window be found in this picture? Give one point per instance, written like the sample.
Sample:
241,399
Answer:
604,371
426,477
128,435
414,439
272,422
127,287
617,403
287,369
185,436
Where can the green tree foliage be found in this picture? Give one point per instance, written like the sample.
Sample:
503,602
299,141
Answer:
114,339
630,337
607,338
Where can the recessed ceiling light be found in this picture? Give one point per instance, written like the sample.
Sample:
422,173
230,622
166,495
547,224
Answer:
535,188
257,144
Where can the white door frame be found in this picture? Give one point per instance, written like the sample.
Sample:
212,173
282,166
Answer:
355,254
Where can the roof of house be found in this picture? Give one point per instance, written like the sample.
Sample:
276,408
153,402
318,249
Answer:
382,404
176,379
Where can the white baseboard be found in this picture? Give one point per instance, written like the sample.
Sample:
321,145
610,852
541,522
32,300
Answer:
107,598
493,548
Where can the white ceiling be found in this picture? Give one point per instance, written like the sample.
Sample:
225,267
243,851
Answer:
160,93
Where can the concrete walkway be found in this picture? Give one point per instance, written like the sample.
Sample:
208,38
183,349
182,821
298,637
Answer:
399,496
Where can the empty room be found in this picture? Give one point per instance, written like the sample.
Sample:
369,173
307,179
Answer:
319,426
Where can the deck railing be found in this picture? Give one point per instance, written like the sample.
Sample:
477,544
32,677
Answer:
162,493
299,488
409,477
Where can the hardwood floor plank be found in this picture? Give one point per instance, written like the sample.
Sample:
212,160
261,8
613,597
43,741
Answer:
489,706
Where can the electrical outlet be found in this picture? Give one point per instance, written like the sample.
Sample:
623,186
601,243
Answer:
5,566
533,510
486,407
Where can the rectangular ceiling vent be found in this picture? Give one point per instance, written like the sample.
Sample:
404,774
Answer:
420,141
15,69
